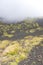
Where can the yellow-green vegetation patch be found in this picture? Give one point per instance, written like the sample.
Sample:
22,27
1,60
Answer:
13,63
33,63
13,49
8,35
12,31
4,43
19,50
40,28
32,30
37,24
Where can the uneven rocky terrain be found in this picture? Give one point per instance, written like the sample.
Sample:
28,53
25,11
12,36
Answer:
21,43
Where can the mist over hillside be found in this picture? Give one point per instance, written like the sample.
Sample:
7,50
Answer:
20,9
29,19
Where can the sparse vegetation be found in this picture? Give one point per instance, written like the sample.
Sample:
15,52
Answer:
17,41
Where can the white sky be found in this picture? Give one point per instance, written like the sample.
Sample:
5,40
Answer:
15,9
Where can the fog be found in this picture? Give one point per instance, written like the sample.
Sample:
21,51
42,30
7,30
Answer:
20,9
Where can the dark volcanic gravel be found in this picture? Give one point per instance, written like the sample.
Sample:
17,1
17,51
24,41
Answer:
35,57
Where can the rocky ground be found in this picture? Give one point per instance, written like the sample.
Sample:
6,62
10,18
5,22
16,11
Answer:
35,57
21,44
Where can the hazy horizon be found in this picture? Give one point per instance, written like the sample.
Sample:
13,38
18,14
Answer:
20,9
